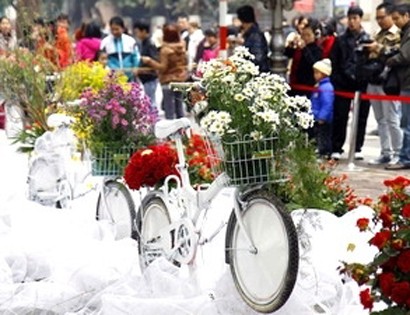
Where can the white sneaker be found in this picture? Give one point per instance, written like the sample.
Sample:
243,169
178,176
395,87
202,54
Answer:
394,160
383,159
336,156
358,156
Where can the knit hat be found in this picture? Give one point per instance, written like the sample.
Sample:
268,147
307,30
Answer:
324,66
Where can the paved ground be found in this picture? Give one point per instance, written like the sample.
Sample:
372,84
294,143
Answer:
368,180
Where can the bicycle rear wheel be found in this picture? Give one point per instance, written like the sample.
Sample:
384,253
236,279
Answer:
117,207
152,217
264,278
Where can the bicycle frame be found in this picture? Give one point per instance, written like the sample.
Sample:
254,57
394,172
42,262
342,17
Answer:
189,204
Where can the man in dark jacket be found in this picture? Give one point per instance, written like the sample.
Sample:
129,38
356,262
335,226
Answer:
148,77
254,39
401,17
344,57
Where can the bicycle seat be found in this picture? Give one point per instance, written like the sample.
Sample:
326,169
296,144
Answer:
165,128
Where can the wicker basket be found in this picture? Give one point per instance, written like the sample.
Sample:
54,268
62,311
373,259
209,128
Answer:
111,162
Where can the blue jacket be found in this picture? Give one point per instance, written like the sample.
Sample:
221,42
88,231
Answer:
122,53
322,101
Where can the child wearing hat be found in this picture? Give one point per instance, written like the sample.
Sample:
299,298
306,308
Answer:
322,107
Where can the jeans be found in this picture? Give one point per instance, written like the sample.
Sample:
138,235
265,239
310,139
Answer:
150,88
405,125
387,114
172,103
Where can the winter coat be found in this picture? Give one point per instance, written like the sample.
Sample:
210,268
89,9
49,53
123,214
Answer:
256,42
401,61
123,53
302,71
173,63
87,48
345,61
322,101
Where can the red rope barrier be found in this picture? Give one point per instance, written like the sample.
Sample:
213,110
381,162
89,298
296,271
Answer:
364,96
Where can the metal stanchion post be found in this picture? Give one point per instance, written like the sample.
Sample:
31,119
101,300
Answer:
353,133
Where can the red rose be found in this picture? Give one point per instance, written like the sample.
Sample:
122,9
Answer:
385,199
386,216
389,265
362,224
397,183
386,281
406,211
380,239
400,292
403,261
366,299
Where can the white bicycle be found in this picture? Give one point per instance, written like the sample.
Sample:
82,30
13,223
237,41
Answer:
52,178
261,240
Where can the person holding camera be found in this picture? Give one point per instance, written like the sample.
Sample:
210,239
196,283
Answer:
386,112
401,17
345,57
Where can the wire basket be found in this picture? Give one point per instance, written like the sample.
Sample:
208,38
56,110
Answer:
110,161
246,161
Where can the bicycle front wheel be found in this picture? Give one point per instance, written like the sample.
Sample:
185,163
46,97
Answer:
153,216
265,275
115,204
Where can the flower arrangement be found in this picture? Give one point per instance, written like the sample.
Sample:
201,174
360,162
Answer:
150,166
116,116
200,160
23,81
241,101
387,277
78,77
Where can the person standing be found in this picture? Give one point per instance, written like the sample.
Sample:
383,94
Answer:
172,67
386,112
345,78
8,40
121,48
89,45
307,52
401,17
322,107
253,37
148,77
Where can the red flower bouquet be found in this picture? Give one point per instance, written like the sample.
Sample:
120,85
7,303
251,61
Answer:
200,160
150,166
388,275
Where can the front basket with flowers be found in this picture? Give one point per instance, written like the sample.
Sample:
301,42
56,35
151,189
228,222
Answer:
387,278
252,115
117,120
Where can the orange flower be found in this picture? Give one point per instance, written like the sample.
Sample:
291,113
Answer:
363,224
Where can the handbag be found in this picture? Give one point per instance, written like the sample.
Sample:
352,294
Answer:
391,84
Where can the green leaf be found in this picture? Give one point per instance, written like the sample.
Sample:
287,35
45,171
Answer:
381,259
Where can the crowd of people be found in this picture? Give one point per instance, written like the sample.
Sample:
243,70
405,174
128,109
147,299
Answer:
331,57
325,55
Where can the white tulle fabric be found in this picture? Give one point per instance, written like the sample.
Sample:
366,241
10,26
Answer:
64,262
